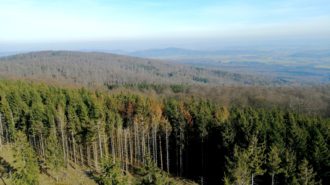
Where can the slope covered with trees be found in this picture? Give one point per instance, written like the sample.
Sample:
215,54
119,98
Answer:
118,134
118,72
95,69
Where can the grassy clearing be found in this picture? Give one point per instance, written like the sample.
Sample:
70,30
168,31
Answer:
73,175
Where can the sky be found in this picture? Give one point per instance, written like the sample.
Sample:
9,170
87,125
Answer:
130,24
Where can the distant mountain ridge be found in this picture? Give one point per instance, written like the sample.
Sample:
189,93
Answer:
295,65
180,52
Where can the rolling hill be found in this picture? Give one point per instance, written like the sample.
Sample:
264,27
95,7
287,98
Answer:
94,68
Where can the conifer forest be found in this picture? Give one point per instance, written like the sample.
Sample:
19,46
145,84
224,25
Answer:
156,138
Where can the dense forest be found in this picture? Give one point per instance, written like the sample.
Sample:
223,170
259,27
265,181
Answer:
95,68
136,138
310,100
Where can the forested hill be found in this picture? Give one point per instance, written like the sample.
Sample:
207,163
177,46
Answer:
91,68
126,138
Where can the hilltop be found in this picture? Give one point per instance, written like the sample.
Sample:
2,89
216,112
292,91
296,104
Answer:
95,68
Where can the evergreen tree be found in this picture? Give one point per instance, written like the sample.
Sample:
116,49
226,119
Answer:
306,175
274,161
193,134
289,166
111,174
320,154
54,161
152,175
256,157
9,126
238,168
25,162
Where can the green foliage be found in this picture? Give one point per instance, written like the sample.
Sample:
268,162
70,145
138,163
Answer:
289,168
152,175
319,153
8,118
53,152
256,156
200,134
306,175
247,162
111,174
25,162
239,168
178,88
274,162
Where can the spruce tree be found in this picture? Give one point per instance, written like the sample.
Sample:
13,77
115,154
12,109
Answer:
111,174
289,166
306,175
274,161
152,175
53,153
256,158
238,168
25,162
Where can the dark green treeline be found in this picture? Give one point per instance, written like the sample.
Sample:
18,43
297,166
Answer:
192,137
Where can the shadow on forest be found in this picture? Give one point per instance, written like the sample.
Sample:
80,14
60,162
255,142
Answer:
5,170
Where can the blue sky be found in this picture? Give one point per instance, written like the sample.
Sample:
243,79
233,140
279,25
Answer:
128,20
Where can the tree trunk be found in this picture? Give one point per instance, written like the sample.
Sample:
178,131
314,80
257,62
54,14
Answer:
143,146
88,150
63,141
139,148
273,178
81,154
67,149
1,132
202,168
167,152
74,148
135,143
181,153
130,147
96,162
112,141
126,150
119,149
252,182
13,123
42,145
155,144
105,145
161,153
34,142
148,145
122,147
99,139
